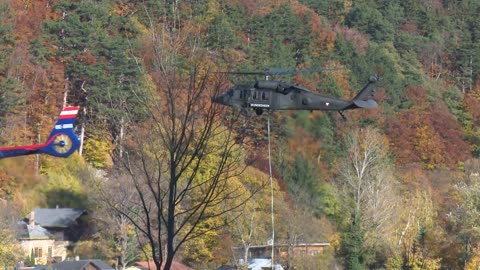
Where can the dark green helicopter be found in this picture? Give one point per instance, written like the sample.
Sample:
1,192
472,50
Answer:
262,95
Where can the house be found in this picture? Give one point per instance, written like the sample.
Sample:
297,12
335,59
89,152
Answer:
46,233
150,265
282,251
77,265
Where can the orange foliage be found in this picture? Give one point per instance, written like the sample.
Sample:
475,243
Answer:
452,135
325,37
124,9
87,58
44,86
418,96
472,104
17,177
305,144
427,143
409,27
427,134
359,40
415,178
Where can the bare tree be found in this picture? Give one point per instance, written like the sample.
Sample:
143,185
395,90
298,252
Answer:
10,249
118,229
367,187
245,228
180,159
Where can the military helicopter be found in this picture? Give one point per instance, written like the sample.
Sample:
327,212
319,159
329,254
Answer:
273,95
61,142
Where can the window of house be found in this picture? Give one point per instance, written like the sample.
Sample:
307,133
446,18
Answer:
38,252
314,253
50,252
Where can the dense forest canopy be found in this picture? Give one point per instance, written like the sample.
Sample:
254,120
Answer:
392,188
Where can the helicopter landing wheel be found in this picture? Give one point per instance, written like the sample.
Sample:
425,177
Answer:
258,111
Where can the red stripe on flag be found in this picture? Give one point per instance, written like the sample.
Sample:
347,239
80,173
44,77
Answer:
70,108
67,116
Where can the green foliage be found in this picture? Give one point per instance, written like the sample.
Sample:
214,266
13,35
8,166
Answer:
385,59
371,21
454,101
30,260
7,40
279,39
10,89
352,247
328,86
403,41
394,263
465,218
62,184
40,54
304,178
11,96
99,48
95,248
334,10
221,33
330,204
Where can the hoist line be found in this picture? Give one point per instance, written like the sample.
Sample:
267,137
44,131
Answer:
271,188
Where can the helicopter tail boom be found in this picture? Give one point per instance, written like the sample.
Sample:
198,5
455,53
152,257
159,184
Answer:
61,142
364,99
368,91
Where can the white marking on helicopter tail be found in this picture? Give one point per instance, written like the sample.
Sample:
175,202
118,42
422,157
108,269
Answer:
64,126
260,105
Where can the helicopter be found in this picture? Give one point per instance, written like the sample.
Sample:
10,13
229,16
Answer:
61,142
262,95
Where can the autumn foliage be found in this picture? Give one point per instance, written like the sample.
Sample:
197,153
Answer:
427,133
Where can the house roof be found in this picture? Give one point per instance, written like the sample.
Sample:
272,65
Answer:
26,231
150,265
56,217
80,265
286,245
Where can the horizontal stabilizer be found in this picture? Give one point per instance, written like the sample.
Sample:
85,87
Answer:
366,104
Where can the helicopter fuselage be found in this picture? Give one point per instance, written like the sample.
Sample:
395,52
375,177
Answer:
278,95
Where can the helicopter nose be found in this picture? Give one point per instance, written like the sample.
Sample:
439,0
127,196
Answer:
218,99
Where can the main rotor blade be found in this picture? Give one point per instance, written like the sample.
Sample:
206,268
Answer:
280,71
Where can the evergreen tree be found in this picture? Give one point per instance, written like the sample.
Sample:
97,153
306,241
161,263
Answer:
352,246
10,92
220,33
99,49
369,20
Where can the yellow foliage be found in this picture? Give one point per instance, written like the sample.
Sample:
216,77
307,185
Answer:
91,249
139,26
427,146
98,149
213,9
10,249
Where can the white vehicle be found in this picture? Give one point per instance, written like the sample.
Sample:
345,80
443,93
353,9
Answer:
263,264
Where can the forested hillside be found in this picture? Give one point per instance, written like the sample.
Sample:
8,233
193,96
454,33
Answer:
166,174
